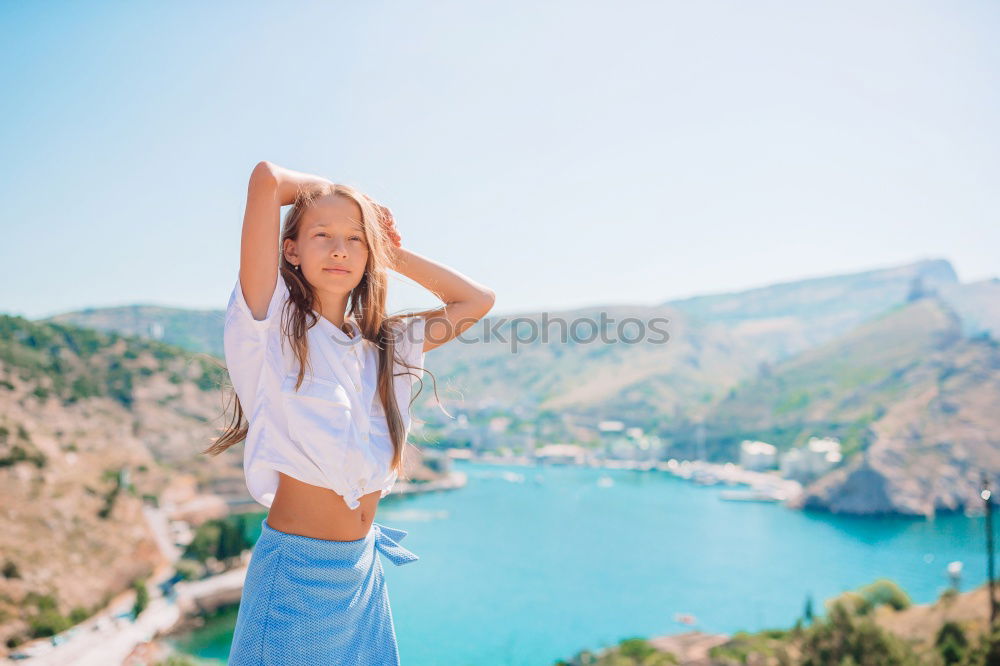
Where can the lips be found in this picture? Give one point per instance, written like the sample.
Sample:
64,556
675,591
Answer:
337,270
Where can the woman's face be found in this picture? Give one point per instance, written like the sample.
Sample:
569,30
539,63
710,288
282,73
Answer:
331,235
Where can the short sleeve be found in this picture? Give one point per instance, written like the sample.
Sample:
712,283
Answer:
411,345
239,308
245,341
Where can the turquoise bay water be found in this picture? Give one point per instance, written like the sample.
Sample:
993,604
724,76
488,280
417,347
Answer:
527,572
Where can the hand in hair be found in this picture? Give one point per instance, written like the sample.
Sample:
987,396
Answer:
387,221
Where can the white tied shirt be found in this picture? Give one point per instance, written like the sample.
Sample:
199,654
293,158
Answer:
332,432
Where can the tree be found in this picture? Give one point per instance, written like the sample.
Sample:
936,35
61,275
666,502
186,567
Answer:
847,639
141,597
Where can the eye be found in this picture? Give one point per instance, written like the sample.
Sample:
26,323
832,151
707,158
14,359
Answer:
356,238
322,233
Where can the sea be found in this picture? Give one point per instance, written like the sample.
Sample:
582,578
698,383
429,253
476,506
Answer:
529,565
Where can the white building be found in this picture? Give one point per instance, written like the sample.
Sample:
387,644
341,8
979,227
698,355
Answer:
561,453
816,458
610,426
757,455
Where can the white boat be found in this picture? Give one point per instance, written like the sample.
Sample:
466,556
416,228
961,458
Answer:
752,495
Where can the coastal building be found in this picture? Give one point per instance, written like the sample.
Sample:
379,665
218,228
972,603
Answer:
610,426
816,458
757,455
561,454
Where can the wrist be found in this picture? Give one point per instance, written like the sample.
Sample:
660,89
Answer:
397,258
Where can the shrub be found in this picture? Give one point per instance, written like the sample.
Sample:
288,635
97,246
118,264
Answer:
141,597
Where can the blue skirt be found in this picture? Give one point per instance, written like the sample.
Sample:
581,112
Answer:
317,601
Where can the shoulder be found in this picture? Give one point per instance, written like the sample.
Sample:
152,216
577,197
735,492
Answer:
238,312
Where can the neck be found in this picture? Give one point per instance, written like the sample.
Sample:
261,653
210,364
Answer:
332,308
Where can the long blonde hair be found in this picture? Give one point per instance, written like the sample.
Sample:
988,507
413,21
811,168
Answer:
366,303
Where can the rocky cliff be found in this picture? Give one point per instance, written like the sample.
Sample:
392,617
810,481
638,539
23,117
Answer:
90,425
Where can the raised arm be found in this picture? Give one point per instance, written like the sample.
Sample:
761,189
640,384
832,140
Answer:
465,300
270,188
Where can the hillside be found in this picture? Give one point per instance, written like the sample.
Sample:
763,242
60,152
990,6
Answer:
789,317
715,342
94,425
646,374
859,357
193,330
90,423
977,304
932,443
911,398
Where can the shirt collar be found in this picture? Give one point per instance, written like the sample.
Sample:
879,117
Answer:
341,342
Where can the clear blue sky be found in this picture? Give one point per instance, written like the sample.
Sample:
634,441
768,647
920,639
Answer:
564,154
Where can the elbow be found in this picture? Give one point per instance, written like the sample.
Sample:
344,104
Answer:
263,171
489,297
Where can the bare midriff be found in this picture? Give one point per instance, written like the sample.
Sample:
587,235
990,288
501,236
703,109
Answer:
320,513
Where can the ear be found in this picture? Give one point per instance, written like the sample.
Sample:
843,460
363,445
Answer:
290,251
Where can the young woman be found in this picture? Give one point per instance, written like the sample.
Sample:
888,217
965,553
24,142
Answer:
324,377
